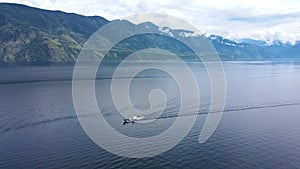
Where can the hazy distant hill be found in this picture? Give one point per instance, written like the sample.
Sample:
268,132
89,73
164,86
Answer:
35,35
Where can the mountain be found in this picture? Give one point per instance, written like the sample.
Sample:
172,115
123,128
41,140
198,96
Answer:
291,52
231,50
36,35
29,34
253,41
283,50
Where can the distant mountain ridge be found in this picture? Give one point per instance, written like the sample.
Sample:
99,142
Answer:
36,35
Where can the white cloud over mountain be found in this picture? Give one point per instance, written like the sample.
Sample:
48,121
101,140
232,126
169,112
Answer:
234,19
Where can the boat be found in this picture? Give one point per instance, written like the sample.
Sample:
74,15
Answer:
132,120
129,120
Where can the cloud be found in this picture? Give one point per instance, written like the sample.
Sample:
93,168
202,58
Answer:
278,19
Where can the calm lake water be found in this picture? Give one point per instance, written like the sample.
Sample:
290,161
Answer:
260,127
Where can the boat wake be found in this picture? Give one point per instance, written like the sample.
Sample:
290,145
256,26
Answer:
203,110
171,112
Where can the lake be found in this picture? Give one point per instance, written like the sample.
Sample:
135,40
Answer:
260,126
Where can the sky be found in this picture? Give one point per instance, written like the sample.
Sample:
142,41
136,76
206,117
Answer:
234,19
